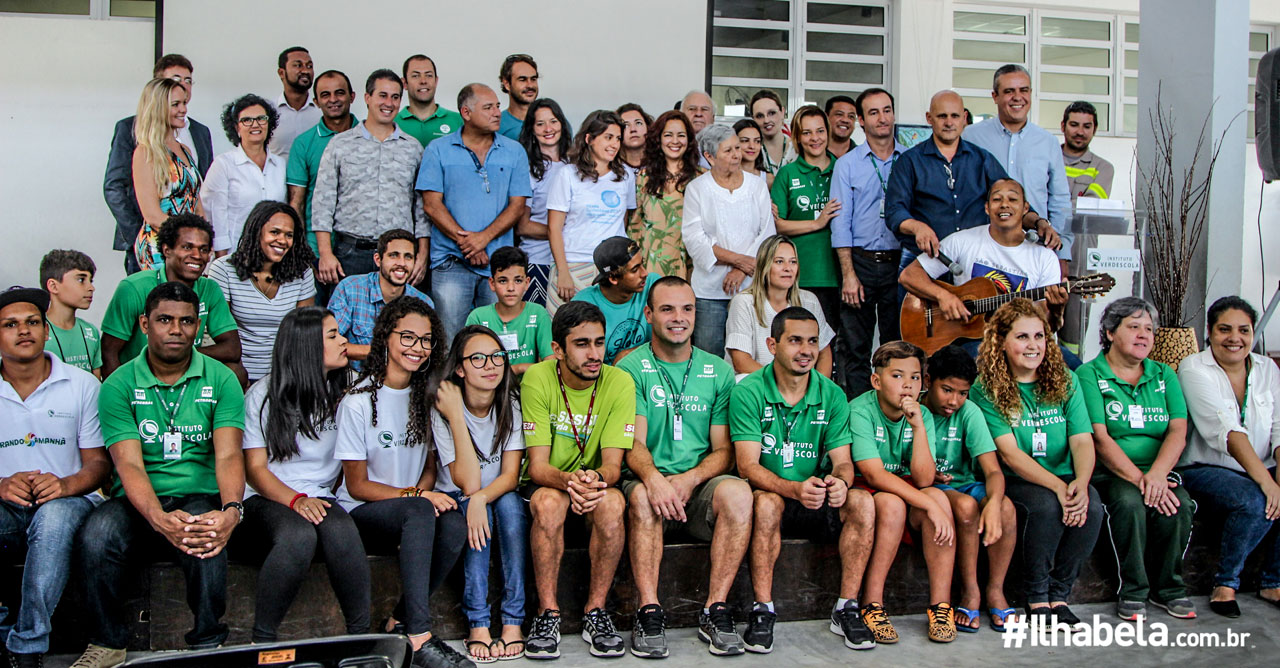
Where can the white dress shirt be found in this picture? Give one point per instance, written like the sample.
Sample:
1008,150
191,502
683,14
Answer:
233,186
737,221
1214,411
291,123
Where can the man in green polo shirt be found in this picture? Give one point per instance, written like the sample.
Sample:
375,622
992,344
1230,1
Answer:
579,422
790,431
332,91
172,419
185,240
524,328
424,119
680,466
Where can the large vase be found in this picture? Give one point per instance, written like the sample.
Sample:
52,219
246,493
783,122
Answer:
1174,344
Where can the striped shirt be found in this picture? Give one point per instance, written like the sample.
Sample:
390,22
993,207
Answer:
256,316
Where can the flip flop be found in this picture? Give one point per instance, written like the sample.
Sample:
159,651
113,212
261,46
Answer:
970,617
505,645
998,614
480,659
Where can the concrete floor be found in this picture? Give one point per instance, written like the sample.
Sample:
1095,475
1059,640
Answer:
811,644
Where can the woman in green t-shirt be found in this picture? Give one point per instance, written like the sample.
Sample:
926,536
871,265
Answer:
1037,417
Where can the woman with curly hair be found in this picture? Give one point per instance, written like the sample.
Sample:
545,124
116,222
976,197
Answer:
166,178
267,276
670,163
245,175
384,443
546,138
1037,416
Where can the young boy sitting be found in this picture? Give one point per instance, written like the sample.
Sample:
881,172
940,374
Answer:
524,328
67,275
891,437
980,508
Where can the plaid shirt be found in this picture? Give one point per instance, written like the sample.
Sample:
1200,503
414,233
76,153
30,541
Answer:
356,303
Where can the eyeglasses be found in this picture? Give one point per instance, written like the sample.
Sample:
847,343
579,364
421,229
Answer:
498,358
248,121
409,340
484,175
951,178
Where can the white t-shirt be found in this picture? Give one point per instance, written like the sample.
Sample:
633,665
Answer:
743,331
47,431
313,471
593,211
382,447
1023,267
257,317
482,437
539,250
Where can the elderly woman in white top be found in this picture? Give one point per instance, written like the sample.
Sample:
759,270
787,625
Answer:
245,175
1230,460
727,215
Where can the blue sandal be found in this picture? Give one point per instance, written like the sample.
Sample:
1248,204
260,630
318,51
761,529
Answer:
1001,615
970,617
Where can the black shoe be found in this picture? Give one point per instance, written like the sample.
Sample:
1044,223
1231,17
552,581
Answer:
847,622
716,628
544,636
599,632
1064,615
25,660
759,635
1229,609
436,654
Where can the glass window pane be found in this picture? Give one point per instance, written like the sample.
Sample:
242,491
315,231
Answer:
134,8
848,15
992,24
732,100
821,70
829,42
1250,128
1131,32
761,10
1051,114
1130,59
1131,86
1130,118
751,38
995,52
820,97
1074,56
1259,41
980,107
1075,29
1075,84
968,77
1253,68
752,68
77,7
1252,95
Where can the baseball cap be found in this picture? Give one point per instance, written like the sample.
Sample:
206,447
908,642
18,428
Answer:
18,294
612,255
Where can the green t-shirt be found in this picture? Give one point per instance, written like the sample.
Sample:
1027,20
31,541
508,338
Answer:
611,422
1135,416
624,324
704,402
80,346
875,435
304,165
439,124
800,191
961,437
527,337
121,319
795,441
1058,422
134,405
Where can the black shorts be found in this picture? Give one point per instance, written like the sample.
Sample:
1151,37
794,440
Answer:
822,525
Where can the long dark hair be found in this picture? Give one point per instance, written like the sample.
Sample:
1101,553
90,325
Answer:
248,256
655,161
750,123
375,366
505,397
302,396
537,161
580,154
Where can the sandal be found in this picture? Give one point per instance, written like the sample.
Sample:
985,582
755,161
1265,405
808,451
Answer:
942,622
471,644
971,623
505,645
1002,616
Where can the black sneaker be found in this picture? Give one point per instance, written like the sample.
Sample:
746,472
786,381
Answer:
435,653
759,635
847,622
1065,615
599,632
649,633
25,660
716,628
544,636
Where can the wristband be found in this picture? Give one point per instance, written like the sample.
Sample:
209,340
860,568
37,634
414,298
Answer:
410,491
299,495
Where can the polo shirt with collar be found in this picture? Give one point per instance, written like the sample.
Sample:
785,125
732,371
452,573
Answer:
440,123
795,441
47,430
1137,416
291,123
800,191
234,185
129,300
304,165
356,303
859,182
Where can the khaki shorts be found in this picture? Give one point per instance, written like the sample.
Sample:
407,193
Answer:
699,510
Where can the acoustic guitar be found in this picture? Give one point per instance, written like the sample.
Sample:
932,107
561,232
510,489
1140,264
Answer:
923,323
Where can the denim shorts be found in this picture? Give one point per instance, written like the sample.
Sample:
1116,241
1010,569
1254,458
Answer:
978,490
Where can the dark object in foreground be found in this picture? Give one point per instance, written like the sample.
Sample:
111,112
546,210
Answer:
358,651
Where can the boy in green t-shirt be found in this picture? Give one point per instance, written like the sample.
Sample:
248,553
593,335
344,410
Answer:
979,507
67,275
891,447
524,328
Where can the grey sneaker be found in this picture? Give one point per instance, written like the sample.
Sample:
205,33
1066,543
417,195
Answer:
649,634
97,656
544,638
1182,608
1130,610
758,637
599,632
716,628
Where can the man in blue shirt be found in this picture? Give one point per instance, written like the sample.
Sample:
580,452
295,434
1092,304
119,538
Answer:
358,300
474,183
867,250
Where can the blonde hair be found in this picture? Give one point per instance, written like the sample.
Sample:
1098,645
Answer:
1053,379
760,286
152,131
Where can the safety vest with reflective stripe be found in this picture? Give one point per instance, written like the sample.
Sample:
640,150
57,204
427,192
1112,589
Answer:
1092,172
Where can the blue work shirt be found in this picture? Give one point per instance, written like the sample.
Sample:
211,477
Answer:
918,189
1033,158
858,183
474,194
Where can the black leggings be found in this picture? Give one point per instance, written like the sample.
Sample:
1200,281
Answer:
1052,552
428,547
286,544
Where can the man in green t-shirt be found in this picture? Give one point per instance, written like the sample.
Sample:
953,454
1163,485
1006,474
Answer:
172,419
619,291
524,328
186,240
680,466
790,431
579,422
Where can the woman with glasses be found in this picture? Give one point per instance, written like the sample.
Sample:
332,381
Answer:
166,178
479,445
245,175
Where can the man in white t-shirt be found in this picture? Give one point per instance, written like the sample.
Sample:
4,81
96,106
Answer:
51,461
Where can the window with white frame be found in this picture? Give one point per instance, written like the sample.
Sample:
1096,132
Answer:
806,51
89,9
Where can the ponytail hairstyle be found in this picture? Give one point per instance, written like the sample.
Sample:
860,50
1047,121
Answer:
302,396
375,366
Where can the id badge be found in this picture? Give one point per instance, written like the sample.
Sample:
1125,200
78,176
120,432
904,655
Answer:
1135,417
882,208
510,341
677,428
788,455
1039,444
172,442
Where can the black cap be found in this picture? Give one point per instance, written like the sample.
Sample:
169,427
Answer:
612,255
16,294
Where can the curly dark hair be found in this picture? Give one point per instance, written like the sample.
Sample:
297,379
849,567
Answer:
581,156
231,116
420,382
168,234
248,256
655,161
537,161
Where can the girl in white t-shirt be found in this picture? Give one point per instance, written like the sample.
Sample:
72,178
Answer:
479,445
384,438
545,136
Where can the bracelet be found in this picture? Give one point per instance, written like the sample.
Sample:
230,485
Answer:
299,495
410,491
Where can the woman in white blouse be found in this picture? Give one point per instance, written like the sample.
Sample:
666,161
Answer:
245,175
1230,460
727,215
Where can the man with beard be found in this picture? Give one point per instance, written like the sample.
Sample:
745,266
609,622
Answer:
620,291
579,422
295,107
841,113
1088,175
423,119
334,95
519,80
358,300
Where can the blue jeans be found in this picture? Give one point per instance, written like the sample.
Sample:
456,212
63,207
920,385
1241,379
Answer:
908,256
457,290
47,533
708,326
509,523
1237,502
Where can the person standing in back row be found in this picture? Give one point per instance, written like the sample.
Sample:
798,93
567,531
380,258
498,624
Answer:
295,107
519,80
424,119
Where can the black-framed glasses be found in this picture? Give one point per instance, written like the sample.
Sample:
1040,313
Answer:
254,120
498,358
409,340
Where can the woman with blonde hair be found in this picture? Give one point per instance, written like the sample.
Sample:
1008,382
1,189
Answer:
1037,416
166,178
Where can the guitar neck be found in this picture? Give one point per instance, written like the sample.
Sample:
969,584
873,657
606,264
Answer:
990,304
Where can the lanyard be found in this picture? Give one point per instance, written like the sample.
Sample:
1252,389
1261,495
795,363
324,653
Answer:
678,403
1244,405
63,356
173,412
875,162
578,440
1033,405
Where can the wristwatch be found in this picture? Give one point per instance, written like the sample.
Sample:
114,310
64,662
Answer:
239,508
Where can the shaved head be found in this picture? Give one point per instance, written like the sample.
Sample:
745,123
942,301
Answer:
943,96
946,117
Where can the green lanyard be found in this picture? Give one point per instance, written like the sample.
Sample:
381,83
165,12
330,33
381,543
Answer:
875,162
676,402
1244,405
